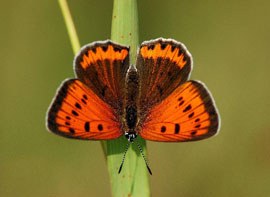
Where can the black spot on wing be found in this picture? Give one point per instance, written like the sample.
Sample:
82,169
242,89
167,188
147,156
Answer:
78,106
198,126
83,101
85,97
163,129
100,127
180,98
191,115
87,126
187,108
74,113
176,128
71,130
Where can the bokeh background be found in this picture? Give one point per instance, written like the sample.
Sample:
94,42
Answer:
229,41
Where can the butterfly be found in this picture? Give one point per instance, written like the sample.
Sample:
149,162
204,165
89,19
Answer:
154,98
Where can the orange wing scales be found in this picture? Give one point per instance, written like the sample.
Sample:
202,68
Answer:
102,53
188,114
164,50
77,112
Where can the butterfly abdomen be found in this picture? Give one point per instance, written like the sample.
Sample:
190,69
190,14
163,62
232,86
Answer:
131,117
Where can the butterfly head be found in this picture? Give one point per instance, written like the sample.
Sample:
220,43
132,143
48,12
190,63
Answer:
130,136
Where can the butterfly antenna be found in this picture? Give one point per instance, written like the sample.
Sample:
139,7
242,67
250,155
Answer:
122,163
140,148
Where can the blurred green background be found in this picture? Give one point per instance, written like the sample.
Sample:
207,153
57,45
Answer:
229,41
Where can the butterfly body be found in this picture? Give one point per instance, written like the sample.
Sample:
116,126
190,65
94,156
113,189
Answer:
131,104
153,99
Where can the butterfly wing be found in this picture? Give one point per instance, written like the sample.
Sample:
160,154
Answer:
77,112
188,114
102,66
163,65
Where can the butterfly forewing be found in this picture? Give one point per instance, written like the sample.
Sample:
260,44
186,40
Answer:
77,112
102,66
188,114
163,65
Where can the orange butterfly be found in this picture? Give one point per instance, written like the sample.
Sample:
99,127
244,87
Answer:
155,99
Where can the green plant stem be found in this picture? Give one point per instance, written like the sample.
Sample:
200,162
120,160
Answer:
70,26
125,27
134,178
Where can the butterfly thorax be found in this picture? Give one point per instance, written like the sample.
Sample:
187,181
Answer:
131,103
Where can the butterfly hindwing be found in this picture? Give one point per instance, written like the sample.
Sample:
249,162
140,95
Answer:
77,112
163,65
188,114
102,66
